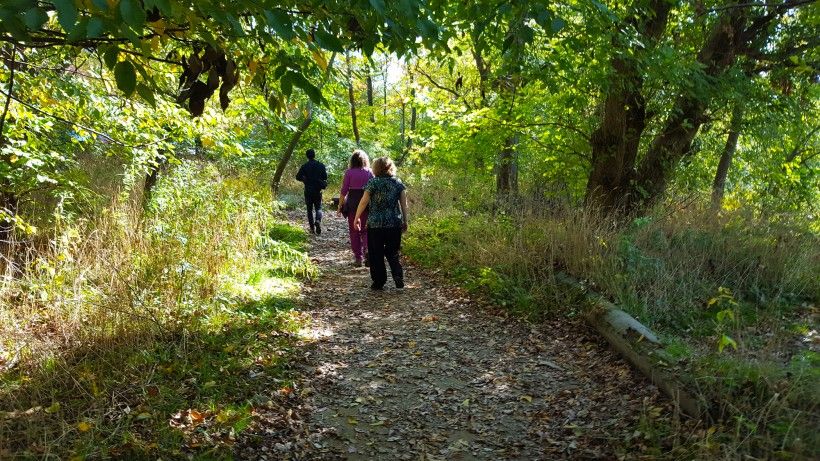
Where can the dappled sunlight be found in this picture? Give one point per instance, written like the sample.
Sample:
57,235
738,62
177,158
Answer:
428,367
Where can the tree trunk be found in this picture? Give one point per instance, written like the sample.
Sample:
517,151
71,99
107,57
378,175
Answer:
687,115
286,156
370,96
402,122
352,100
9,201
294,140
384,87
151,180
507,173
719,184
616,141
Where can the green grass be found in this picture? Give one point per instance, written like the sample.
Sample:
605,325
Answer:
170,363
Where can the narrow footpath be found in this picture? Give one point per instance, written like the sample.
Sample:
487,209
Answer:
427,373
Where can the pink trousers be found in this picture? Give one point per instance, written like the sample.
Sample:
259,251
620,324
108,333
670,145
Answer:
358,239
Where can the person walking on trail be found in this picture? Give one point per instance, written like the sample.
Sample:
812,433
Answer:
314,176
386,221
356,177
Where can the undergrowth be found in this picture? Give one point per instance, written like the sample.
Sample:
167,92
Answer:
732,295
151,335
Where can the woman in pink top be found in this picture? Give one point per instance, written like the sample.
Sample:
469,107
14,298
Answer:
356,177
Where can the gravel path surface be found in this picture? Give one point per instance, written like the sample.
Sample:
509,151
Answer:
427,373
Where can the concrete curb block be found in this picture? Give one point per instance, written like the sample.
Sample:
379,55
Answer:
639,346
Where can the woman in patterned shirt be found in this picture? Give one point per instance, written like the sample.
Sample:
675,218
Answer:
386,221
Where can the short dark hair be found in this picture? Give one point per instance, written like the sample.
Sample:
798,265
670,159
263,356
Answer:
311,154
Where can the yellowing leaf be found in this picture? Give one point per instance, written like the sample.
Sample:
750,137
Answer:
319,57
352,421
54,408
83,426
526,398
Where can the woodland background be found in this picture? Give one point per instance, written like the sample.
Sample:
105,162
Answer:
663,152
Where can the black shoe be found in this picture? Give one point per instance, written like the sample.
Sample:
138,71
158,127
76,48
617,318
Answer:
366,260
312,230
399,283
377,287
318,229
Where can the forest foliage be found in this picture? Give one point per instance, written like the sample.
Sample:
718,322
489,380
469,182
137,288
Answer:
665,152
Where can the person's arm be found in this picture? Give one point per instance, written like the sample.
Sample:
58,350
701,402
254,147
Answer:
403,205
300,175
323,172
359,211
344,191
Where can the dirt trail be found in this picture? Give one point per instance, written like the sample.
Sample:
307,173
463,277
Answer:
426,373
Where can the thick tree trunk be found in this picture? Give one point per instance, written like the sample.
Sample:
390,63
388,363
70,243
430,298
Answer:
719,184
286,156
352,100
687,115
616,141
507,169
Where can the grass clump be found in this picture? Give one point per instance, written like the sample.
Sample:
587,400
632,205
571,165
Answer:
140,336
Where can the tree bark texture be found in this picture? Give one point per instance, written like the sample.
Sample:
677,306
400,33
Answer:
352,100
370,97
719,184
291,147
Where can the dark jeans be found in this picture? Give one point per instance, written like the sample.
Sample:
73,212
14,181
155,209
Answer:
384,243
313,200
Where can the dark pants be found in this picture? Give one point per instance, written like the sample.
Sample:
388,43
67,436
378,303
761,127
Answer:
313,200
384,243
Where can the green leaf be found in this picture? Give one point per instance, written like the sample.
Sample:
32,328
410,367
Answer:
281,23
110,56
328,41
287,84
132,13
95,28
34,18
557,25
163,5
66,14
79,30
126,77
726,341
101,5
147,94
378,5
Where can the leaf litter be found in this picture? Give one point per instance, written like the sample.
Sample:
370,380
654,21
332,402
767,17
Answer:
429,373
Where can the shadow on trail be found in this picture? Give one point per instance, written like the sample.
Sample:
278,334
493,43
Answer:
429,373
146,394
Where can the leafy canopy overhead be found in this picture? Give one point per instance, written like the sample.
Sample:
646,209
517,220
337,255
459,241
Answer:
215,39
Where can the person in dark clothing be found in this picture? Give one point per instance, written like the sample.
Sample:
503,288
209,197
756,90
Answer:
386,221
314,176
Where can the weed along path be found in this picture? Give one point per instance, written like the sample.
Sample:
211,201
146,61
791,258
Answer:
429,373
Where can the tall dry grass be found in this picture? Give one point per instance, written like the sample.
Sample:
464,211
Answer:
666,269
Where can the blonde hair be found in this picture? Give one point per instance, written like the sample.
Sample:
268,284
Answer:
383,166
359,159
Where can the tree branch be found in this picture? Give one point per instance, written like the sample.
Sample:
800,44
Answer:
90,130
